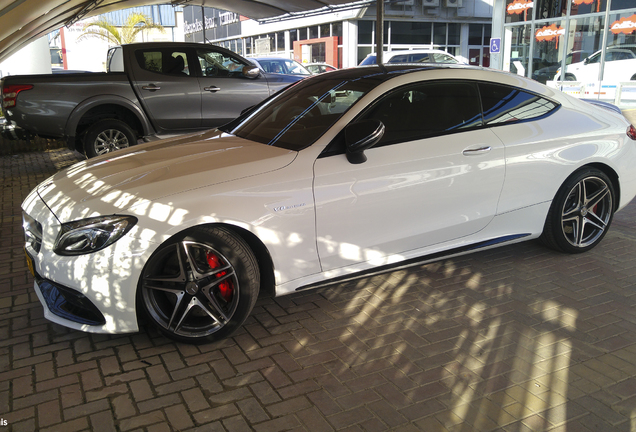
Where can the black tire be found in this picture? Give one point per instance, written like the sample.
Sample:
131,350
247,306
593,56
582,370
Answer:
570,77
581,212
200,287
106,136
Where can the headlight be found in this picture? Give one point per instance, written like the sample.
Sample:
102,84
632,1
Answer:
92,234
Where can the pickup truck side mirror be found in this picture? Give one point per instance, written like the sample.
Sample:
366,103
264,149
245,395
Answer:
251,72
361,136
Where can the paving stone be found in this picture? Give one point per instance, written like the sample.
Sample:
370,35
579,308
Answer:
512,339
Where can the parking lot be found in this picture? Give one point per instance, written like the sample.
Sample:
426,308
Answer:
515,339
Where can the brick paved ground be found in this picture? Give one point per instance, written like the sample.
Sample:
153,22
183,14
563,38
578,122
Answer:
514,339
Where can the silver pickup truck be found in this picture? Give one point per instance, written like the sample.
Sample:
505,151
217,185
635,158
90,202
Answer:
150,90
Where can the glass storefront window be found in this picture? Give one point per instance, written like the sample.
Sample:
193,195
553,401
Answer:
439,34
619,29
622,4
479,44
313,32
336,29
454,34
280,41
544,9
363,52
365,32
475,34
580,7
410,33
620,52
518,10
549,46
520,49
293,36
325,30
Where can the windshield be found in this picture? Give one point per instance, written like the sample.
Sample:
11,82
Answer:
294,119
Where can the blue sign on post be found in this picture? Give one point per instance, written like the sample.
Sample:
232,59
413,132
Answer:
495,45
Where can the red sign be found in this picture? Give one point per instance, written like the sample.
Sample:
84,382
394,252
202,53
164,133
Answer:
624,25
519,6
548,33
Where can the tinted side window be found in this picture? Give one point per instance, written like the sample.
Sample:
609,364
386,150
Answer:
400,58
444,58
164,62
427,109
503,104
217,64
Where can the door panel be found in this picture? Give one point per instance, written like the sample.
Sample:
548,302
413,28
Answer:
406,196
168,88
225,91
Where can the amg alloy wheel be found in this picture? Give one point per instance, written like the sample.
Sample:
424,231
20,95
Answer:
200,287
581,212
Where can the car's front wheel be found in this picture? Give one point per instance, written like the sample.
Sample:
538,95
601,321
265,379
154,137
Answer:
106,136
581,212
200,287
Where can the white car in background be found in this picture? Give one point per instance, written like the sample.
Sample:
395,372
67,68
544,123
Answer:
620,65
427,56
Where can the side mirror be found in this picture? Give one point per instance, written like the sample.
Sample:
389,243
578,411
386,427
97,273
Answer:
361,136
586,61
251,72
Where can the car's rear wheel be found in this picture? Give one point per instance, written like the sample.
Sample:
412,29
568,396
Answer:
200,287
581,212
106,136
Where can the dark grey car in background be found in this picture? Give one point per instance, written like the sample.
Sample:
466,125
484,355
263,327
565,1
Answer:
150,90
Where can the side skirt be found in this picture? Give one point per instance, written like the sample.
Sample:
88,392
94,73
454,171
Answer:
415,261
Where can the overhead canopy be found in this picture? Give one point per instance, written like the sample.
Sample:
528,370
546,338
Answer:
22,21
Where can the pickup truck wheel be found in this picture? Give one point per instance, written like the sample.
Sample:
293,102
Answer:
106,136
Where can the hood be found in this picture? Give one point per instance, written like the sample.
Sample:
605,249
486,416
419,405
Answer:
114,183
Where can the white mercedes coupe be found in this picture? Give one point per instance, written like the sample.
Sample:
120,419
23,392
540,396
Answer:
340,175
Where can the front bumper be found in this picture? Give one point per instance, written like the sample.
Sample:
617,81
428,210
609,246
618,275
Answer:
96,292
64,303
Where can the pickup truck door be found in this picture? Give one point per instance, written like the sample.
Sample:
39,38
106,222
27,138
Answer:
225,91
167,88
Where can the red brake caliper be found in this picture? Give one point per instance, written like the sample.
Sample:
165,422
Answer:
225,287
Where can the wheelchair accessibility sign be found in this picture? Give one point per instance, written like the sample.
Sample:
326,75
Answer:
495,45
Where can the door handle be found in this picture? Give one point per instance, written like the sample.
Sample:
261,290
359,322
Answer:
151,87
212,89
476,151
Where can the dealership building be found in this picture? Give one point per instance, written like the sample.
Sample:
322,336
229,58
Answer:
536,39
344,36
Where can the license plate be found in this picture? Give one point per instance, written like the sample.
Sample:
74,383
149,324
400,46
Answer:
29,261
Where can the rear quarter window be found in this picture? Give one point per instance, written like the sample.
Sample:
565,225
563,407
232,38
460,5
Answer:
502,104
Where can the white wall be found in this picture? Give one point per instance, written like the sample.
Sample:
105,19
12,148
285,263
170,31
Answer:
32,59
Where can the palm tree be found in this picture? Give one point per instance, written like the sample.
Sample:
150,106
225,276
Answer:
104,30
